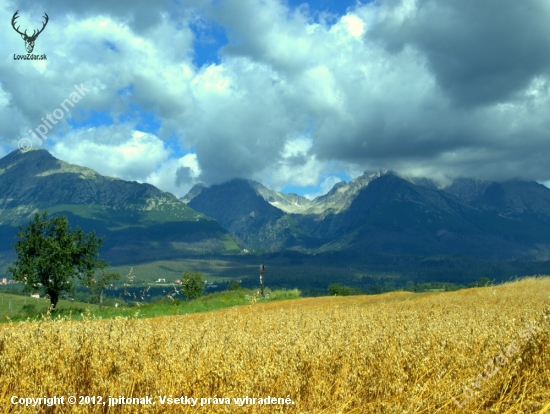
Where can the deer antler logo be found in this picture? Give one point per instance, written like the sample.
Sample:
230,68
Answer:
29,40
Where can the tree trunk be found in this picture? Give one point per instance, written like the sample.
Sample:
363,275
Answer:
101,299
54,298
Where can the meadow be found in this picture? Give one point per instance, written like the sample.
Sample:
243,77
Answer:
468,351
19,306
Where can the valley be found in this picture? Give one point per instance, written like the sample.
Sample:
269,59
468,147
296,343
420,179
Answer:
377,233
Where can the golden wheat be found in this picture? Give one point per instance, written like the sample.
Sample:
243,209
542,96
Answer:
396,353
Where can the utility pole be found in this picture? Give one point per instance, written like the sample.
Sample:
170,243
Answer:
262,268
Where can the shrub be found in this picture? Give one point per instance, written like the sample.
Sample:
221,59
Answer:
482,282
192,285
234,285
29,310
337,289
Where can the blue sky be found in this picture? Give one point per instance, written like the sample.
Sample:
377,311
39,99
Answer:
295,97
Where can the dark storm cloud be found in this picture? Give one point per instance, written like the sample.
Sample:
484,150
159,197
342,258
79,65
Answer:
480,51
449,88
184,175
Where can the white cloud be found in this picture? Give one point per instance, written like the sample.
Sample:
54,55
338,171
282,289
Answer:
354,25
115,152
212,79
165,177
297,147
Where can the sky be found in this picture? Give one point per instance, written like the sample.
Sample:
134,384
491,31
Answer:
296,95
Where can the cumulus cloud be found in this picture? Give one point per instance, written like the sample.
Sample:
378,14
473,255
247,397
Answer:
438,88
140,15
480,52
115,152
176,175
296,166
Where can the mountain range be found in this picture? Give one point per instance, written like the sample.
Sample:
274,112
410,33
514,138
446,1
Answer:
139,222
382,212
375,213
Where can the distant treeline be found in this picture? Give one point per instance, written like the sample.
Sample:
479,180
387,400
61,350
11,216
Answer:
357,273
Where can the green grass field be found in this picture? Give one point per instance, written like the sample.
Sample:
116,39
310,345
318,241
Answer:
77,310
15,305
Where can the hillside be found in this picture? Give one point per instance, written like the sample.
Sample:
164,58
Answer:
139,221
516,198
336,200
239,208
387,214
393,215
376,213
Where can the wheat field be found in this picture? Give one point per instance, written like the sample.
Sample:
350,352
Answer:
453,352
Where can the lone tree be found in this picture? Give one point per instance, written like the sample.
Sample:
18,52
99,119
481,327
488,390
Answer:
50,256
192,285
98,284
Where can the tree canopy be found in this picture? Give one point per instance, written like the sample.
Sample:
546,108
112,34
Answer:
192,285
50,256
99,283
